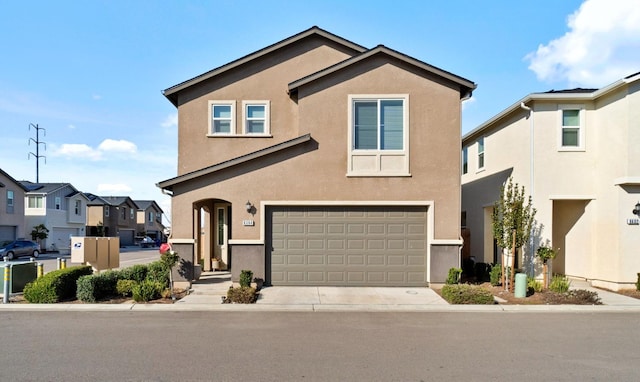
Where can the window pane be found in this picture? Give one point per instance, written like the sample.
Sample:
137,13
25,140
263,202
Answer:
465,160
481,145
570,137
391,125
221,111
570,117
255,111
255,126
481,160
366,125
221,126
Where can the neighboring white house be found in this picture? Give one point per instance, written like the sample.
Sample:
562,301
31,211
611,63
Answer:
60,207
577,153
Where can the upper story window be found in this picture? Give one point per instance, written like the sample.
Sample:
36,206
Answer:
222,117
78,206
35,201
256,117
123,213
150,219
571,128
132,213
480,153
106,211
378,135
57,203
465,160
10,201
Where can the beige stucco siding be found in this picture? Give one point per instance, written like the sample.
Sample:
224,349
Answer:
257,81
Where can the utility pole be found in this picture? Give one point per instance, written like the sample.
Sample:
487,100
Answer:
37,154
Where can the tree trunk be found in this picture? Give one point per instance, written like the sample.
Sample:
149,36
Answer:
513,263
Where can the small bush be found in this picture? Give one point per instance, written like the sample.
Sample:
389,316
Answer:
467,294
158,272
98,287
559,284
454,276
147,290
574,297
125,287
245,278
534,286
242,295
495,276
55,286
136,273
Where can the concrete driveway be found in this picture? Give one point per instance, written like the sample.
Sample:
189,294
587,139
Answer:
349,296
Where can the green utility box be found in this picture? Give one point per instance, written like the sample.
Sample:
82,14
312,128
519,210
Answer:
22,272
521,285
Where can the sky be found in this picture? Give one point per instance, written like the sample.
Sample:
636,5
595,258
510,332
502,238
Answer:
90,74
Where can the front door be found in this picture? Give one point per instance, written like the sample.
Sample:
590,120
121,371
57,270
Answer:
220,248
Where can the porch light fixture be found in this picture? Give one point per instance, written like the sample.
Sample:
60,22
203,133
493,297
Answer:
248,206
636,211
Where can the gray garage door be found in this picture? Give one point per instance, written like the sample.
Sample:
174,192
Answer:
348,246
7,232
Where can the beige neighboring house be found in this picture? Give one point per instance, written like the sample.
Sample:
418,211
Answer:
317,161
113,216
61,208
577,153
149,219
12,219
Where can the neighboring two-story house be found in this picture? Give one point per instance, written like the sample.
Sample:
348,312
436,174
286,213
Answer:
60,207
149,218
317,161
114,216
576,153
12,220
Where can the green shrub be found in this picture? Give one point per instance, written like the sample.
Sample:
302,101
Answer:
147,290
574,297
245,278
534,286
242,295
85,290
98,287
454,276
495,276
55,286
467,294
559,284
125,287
136,273
158,272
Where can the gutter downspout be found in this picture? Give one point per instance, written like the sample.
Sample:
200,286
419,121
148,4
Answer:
531,176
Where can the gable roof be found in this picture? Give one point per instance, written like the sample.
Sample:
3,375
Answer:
169,183
172,92
19,184
466,86
118,200
144,204
577,94
47,188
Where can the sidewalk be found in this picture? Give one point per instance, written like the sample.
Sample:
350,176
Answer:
207,294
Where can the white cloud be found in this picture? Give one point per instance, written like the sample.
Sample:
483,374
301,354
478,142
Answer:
601,46
96,97
170,121
119,146
113,188
77,150
468,102
71,127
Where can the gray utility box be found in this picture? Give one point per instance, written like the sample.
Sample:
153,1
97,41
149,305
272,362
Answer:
22,273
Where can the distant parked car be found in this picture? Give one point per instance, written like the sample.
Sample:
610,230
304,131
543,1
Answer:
147,242
17,248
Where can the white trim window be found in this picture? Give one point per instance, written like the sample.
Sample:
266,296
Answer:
256,118
10,201
78,205
57,203
132,213
465,160
571,129
378,135
35,202
222,117
480,153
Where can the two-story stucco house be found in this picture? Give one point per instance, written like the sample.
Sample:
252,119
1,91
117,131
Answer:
113,216
576,153
12,220
60,207
317,161
149,219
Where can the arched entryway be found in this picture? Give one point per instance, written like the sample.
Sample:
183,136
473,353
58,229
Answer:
211,233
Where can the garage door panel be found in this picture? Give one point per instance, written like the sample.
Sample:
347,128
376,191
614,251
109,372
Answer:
349,246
